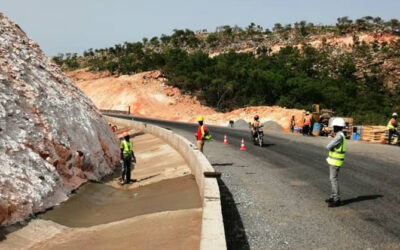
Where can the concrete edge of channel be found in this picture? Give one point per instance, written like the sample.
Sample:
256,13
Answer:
212,228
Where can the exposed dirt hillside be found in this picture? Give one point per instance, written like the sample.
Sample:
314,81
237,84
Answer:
148,95
52,137
345,42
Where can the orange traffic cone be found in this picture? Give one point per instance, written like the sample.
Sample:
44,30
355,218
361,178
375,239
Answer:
225,140
242,146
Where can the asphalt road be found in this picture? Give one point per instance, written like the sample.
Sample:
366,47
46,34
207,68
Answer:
273,197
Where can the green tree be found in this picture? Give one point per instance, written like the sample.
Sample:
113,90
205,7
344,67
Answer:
212,40
343,24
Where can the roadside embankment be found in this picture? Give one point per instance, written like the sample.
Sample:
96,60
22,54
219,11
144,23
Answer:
212,230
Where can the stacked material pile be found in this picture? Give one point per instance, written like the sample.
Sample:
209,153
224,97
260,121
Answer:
52,138
373,134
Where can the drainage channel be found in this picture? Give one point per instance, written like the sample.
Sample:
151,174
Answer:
164,205
99,203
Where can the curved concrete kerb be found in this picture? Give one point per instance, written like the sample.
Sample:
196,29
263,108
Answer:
212,231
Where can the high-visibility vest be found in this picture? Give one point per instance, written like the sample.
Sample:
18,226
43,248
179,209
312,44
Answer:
390,126
208,136
336,157
126,147
307,120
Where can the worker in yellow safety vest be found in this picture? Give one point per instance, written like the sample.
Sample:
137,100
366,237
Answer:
203,134
392,128
337,153
127,156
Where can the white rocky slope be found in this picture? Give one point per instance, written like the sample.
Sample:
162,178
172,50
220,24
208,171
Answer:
52,138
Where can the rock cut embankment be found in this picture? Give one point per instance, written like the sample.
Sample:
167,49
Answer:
52,138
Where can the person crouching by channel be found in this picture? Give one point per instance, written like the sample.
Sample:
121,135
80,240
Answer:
337,153
127,156
202,134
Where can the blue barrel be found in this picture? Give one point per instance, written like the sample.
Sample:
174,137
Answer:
316,128
357,130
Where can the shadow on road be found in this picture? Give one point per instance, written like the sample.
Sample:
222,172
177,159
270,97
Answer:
235,233
222,164
361,198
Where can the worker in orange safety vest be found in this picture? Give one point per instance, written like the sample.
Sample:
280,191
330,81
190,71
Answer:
307,124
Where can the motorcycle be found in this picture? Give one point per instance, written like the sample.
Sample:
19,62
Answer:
397,143
258,138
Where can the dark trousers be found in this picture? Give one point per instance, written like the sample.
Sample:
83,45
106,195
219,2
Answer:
391,133
306,129
126,169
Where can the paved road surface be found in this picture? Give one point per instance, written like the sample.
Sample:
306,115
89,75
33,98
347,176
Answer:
273,197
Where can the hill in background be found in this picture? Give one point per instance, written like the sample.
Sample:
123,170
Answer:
352,67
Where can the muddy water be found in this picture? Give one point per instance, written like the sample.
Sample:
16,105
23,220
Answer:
97,203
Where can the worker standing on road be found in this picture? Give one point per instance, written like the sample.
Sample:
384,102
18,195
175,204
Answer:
337,152
292,124
127,156
307,123
392,129
202,134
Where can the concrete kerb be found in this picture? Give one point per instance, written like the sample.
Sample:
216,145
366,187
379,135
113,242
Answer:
212,229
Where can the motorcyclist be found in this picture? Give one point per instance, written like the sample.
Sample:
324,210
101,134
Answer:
255,125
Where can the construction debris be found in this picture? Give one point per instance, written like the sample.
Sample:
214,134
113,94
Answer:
373,134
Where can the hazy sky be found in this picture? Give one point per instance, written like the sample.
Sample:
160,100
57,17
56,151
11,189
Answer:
76,25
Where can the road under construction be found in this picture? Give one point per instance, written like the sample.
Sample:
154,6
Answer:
273,196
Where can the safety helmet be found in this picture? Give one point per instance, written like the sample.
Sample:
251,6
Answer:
308,112
394,114
125,134
200,118
338,122
256,117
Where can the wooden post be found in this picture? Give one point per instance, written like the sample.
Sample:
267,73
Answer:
129,110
